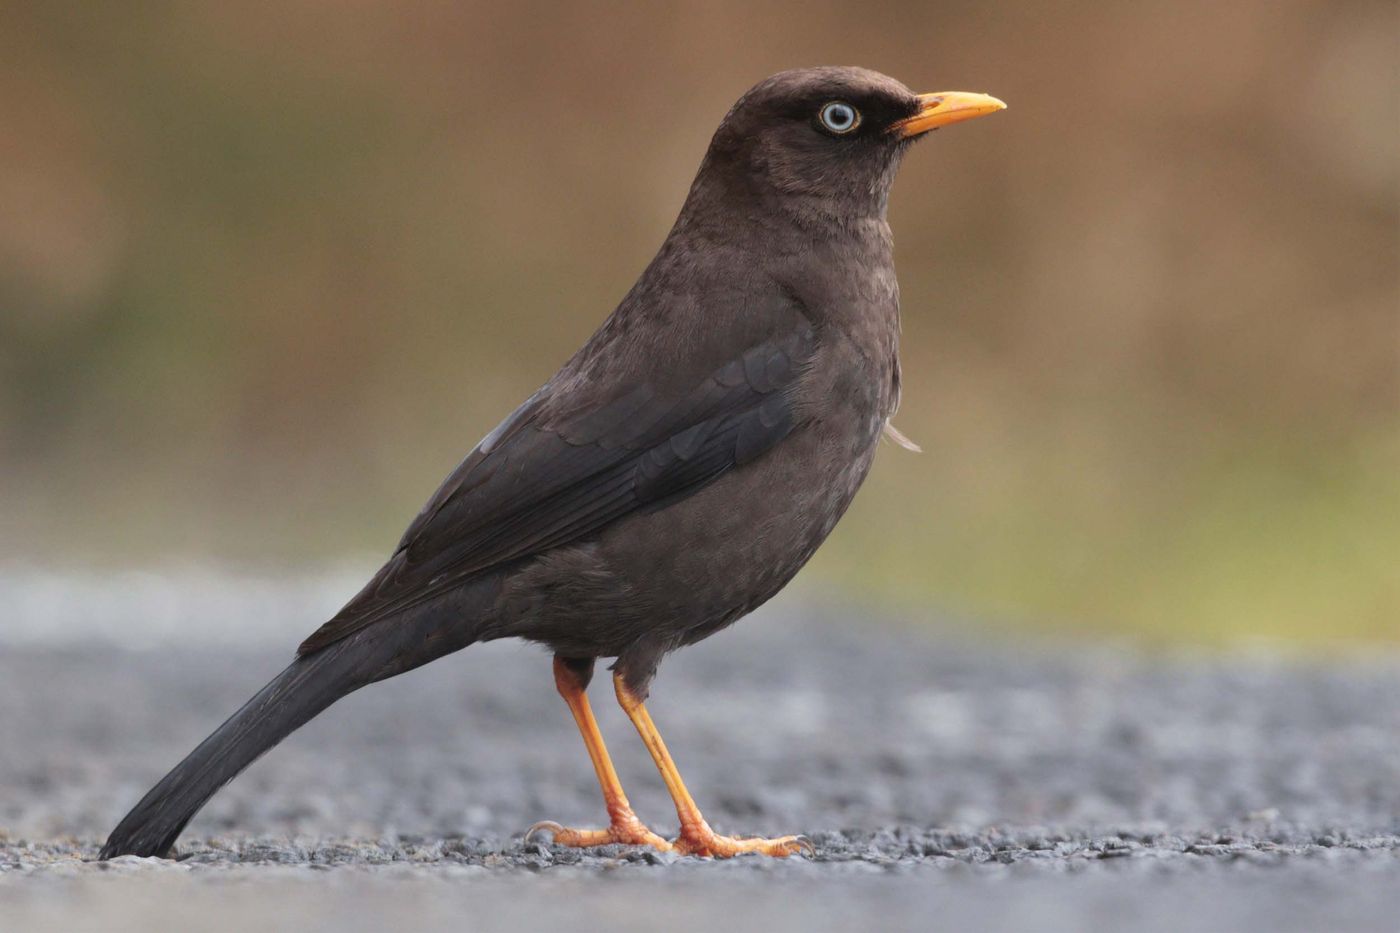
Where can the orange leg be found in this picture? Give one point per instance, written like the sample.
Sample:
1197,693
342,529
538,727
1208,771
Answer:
623,825
696,836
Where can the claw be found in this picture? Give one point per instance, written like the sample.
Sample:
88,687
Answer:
550,826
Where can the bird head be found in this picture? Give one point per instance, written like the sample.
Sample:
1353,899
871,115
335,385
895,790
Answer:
825,141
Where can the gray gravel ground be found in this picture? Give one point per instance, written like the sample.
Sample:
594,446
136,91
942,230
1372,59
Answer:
942,777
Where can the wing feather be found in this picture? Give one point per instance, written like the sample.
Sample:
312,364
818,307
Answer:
532,485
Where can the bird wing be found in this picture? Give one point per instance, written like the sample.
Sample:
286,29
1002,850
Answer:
535,483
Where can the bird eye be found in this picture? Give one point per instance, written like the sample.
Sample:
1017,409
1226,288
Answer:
839,117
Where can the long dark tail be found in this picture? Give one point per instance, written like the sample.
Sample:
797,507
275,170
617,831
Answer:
310,684
293,698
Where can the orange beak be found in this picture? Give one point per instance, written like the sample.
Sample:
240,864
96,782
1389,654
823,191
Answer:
945,107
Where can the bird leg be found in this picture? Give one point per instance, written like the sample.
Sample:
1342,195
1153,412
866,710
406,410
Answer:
571,677
696,837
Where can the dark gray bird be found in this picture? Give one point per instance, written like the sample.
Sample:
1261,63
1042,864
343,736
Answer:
672,476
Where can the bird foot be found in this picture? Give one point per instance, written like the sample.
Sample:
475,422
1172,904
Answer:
628,832
704,841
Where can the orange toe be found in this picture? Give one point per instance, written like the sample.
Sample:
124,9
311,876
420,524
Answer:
626,832
703,841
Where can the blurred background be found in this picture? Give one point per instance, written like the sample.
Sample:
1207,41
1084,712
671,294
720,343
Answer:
268,270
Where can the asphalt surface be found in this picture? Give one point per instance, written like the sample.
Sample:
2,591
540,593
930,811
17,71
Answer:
938,773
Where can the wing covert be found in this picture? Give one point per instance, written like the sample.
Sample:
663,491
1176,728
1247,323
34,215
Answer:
534,484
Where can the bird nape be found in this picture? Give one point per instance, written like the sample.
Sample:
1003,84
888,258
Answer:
672,476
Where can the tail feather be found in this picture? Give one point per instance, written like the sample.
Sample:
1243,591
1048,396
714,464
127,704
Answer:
309,685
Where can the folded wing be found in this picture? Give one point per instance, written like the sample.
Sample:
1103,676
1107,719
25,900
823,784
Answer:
534,484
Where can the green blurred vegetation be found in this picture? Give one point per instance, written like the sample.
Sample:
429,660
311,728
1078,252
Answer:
268,270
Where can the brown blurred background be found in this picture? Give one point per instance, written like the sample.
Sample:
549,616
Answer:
267,270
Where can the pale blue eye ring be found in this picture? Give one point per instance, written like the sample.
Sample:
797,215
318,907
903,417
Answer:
839,117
